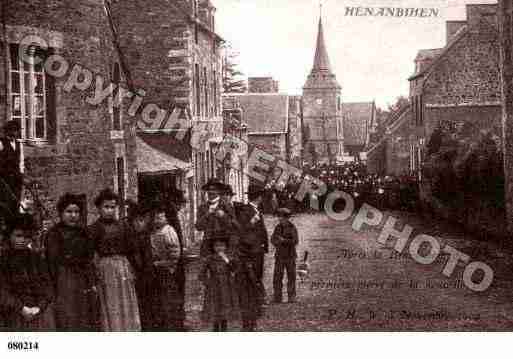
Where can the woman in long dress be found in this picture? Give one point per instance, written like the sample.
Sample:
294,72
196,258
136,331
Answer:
70,253
117,253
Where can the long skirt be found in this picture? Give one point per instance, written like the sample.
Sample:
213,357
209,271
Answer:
166,301
251,292
76,306
220,300
118,297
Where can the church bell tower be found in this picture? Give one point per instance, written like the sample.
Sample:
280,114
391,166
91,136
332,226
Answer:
322,108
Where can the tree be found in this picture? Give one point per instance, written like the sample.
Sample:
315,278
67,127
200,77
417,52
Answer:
233,79
400,102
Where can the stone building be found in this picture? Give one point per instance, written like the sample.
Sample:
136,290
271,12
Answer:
359,121
70,141
456,86
323,129
274,122
460,84
173,54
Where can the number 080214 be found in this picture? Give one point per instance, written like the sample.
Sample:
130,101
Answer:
22,345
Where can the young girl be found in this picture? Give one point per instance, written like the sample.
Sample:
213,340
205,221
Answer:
25,290
217,275
70,254
117,255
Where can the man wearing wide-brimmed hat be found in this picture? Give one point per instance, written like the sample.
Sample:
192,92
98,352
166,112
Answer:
214,218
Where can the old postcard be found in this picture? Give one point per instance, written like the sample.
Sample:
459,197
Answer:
255,165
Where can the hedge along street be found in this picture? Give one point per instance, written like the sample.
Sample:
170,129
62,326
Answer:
153,117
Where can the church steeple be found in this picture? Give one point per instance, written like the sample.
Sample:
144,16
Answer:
321,75
321,59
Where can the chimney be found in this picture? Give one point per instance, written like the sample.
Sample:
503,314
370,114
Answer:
451,28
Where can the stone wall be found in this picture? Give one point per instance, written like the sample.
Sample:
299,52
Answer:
468,73
174,56
80,154
506,66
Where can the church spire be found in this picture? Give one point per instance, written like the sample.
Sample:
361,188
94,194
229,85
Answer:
321,59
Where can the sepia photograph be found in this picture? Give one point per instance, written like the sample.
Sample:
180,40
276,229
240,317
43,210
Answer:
303,166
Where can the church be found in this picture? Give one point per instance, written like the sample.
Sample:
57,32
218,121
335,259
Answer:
314,128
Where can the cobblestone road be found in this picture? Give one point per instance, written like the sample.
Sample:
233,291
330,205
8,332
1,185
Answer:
355,283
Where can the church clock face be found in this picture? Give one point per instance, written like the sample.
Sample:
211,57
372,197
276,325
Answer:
319,101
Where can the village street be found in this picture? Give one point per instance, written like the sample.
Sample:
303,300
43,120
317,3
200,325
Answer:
354,283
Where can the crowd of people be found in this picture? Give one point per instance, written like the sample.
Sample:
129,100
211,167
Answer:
382,191
128,274
114,275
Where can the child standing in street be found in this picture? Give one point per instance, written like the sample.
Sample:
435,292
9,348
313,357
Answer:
285,240
25,291
217,275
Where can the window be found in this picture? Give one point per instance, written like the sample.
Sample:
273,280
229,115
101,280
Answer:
196,34
116,107
198,89
215,93
32,94
205,90
421,110
418,113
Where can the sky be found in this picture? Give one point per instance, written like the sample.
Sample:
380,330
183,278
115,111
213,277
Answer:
372,57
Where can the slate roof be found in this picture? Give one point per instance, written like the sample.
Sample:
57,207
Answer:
357,118
264,113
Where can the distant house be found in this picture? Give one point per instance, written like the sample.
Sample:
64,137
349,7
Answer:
268,117
359,121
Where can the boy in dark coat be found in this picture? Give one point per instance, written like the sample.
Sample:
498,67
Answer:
285,240
25,290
